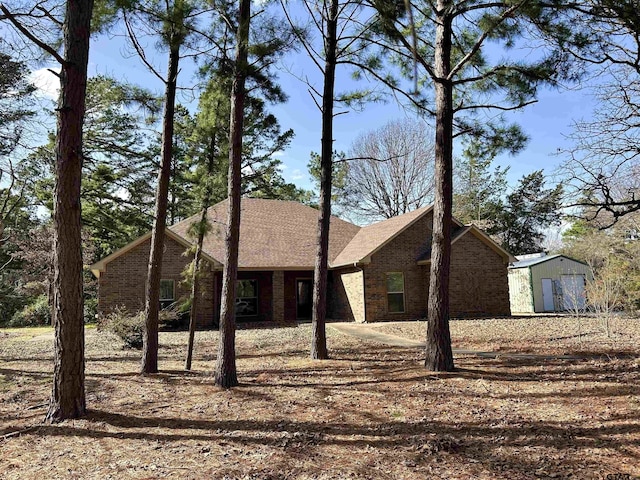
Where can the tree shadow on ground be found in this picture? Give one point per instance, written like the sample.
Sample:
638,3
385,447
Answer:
481,442
389,373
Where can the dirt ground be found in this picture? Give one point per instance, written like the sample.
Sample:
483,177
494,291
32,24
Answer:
371,411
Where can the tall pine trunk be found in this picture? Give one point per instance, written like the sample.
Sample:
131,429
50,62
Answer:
318,319
195,277
68,395
439,356
225,371
195,290
154,272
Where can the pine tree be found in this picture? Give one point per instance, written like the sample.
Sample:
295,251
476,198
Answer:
173,23
445,41
117,192
68,395
225,370
527,210
343,40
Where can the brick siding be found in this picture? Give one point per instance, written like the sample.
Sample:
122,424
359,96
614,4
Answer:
478,278
123,282
346,295
478,282
400,255
278,296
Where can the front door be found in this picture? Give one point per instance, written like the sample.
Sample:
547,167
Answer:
304,299
547,295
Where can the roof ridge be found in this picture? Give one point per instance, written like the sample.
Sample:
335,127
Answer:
295,202
396,217
275,232
528,262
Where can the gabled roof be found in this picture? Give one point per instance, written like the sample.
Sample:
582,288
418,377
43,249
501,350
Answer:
101,264
373,237
529,262
472,229
282,235
274,234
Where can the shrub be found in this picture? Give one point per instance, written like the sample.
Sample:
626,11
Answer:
126,326
90,310
174,316
10,302
34,314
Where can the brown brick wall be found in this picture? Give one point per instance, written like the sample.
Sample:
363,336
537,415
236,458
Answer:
346,295
478,280
278,296
124,279
400,255
479,283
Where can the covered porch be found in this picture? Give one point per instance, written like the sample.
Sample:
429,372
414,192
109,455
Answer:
262,296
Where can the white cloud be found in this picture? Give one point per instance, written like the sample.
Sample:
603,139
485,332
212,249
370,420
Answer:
46,82
297,174
279,153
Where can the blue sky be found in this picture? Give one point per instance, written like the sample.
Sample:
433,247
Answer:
546,123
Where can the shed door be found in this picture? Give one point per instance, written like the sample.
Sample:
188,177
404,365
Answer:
547,295
573,292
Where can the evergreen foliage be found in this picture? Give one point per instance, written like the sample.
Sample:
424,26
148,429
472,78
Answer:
119,146
478,191
530,208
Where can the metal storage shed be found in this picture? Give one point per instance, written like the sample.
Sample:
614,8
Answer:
541,283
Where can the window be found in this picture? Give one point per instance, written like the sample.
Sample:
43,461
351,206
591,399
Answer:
246,298
167,293
166,290
395,292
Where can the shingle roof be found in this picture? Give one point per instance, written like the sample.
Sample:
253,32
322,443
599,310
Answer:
281,235
273,234
537,260
459,232
373,237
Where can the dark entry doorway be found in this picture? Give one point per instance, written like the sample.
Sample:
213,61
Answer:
304,298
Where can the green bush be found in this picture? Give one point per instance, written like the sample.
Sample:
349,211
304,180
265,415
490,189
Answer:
126,326
10,303
34,314
90,310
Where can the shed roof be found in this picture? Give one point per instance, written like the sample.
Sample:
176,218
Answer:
529,262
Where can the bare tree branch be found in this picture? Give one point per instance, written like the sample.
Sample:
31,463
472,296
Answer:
47,48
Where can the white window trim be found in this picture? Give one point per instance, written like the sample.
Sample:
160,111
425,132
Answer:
173,289
404,299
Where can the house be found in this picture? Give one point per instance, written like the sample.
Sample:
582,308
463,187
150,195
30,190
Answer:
547,283
378,272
